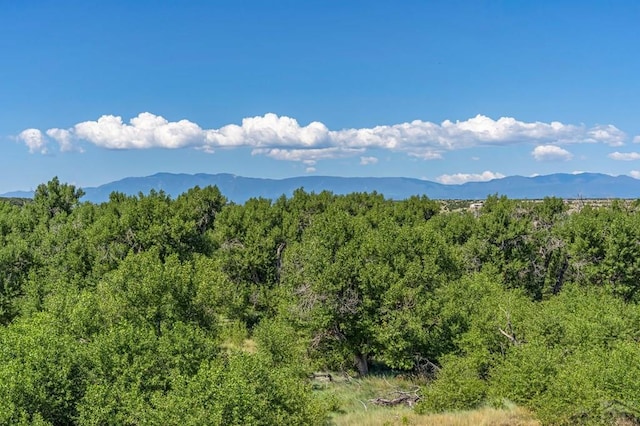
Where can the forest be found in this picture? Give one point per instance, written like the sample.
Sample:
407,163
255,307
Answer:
196,311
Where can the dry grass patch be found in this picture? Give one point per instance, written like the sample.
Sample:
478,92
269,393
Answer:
352,397
482,417
406,416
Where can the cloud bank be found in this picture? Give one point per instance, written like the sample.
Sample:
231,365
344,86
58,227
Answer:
34,140
551,153
624,156
460,178
284,138
368,160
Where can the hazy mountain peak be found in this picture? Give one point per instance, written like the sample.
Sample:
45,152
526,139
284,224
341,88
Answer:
239,188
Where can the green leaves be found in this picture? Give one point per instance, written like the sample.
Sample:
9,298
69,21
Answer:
238,390
131,365
364,283
149,310
146,290
459,386
43,372
54,198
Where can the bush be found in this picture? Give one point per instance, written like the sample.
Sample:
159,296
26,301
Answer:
279,343
579,362
458,386
594,386
525,373
42,373
241,389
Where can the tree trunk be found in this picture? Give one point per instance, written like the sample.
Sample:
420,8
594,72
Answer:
560,278
362,364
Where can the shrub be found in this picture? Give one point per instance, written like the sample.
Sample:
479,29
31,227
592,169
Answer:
458,387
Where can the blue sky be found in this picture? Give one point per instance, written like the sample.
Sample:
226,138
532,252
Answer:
448,91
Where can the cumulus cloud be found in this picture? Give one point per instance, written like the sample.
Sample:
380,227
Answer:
307,155
284,138
63,137
624,156
551,153
636,139
608,134
460,178
269,131
144,131
368,160
34,140
426,154
635,174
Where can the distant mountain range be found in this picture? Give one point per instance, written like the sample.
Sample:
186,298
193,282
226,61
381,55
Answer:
239,189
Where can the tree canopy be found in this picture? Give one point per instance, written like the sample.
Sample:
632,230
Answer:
148,309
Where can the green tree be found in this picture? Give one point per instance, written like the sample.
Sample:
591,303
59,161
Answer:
196,210
54,198
132,366
503,240
146,290
622,255
240,389
363,285
574,365
43,372
251,243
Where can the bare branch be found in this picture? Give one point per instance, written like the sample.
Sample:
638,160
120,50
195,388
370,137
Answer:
509,336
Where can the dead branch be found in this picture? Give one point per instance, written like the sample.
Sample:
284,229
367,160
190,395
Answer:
404,398
363,404
423,366
325,376
279,250
409,400
509,336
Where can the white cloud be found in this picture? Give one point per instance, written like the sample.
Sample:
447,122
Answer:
310,169
624,156
284,138
269,131
608,134
426,154
34,139
368,160
460,178
144,131
635,174
551,153
63,137
479,130
636,139
308,156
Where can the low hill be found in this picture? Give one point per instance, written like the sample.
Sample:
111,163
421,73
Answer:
240,189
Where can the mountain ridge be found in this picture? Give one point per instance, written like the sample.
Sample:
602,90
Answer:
239,189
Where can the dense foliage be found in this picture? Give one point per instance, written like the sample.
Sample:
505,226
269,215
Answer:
152,310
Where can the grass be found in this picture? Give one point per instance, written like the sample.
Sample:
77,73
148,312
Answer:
236,337
481,417
352,398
